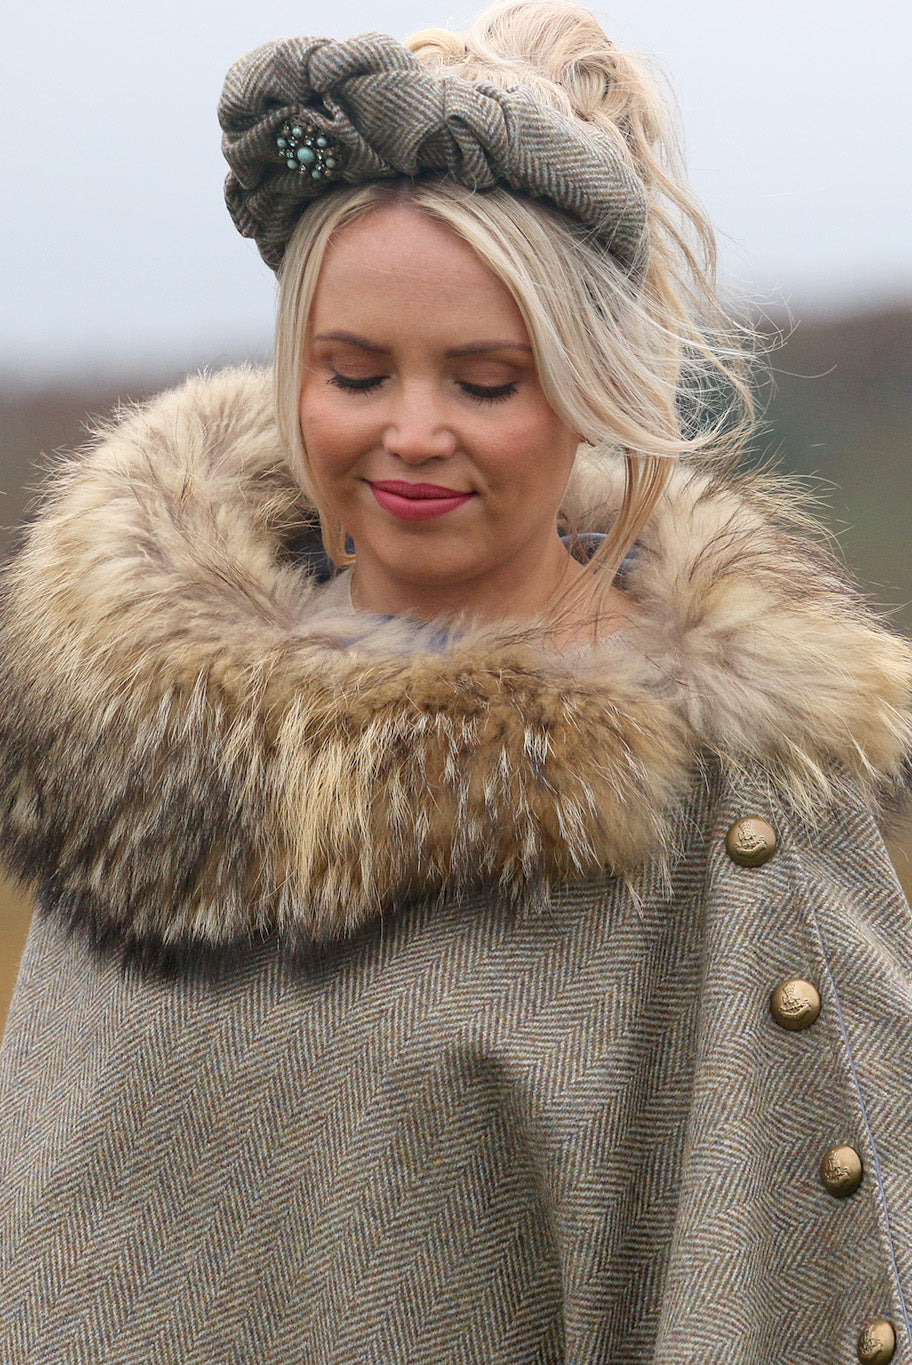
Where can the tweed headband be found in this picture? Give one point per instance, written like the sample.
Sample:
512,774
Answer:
302,114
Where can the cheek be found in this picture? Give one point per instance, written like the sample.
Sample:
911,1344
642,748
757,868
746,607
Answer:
535,459
331,439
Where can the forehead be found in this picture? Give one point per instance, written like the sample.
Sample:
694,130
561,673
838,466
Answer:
397,260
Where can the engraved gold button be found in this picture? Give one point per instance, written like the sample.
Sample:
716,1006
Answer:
795,1004
841,1171
877,1343
751,841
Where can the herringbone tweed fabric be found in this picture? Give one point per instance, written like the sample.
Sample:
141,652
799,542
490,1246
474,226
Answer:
471,1134
386,114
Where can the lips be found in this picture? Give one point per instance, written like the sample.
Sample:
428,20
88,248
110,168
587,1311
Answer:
417,501
404,489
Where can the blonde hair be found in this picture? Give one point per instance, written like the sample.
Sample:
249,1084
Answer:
646,365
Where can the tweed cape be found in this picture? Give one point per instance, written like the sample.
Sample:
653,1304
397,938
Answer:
395,999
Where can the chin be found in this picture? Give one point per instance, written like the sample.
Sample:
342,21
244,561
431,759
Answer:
420,572
420,556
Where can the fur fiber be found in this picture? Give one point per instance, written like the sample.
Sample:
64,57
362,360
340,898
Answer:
196,748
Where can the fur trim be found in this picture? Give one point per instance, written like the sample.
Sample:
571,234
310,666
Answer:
196,746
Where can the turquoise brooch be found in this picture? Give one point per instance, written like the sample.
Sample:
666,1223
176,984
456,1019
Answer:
307,150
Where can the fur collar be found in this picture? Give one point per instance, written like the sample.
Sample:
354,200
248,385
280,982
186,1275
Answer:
196,745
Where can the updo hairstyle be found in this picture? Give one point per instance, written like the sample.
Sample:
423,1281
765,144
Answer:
645,365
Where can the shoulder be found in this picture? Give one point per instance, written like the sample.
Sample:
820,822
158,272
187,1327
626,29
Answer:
763,643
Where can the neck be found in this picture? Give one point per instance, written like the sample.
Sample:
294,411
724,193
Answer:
570,603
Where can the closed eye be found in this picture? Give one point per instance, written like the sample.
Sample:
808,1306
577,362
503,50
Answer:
481,393
344,381
484,394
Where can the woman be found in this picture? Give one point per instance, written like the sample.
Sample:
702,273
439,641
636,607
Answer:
465,934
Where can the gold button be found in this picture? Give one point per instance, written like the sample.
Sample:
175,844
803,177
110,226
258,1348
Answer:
841,1171
750,842
877,1343
795,1004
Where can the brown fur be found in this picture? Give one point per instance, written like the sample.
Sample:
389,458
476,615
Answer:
195,748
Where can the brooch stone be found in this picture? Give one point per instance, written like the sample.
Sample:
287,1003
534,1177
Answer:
306,149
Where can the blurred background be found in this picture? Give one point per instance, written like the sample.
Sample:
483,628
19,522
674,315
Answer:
121,268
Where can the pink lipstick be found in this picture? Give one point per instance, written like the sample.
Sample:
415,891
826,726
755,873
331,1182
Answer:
416,501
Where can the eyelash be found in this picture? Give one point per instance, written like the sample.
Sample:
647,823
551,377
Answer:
477,392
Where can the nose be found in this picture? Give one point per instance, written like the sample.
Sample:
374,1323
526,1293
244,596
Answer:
418,429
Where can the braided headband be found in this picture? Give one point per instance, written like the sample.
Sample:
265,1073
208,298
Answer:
304,113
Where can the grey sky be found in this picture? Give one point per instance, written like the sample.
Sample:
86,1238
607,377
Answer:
120,255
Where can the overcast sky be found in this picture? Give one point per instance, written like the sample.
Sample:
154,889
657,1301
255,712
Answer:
120,257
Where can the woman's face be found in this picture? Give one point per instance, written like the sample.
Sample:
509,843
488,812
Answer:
428,433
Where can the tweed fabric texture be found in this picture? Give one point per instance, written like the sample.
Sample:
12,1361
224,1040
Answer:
387,115
467,1136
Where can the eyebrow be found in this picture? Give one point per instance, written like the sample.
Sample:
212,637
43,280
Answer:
475,348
